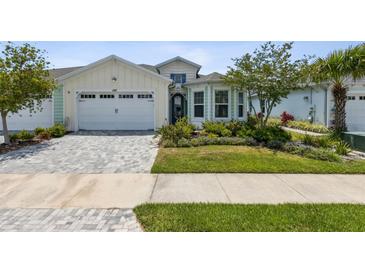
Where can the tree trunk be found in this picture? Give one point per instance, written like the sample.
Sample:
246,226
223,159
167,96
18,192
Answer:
340,97
5,128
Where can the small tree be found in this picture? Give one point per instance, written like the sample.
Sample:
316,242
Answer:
269,74
339,68
24,81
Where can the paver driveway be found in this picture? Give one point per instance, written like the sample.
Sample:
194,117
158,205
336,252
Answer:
86,152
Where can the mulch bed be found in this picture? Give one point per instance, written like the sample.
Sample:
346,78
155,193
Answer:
4,148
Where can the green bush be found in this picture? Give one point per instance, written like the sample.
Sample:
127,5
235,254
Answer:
274,122
304,125
218,128
275,144
39,130
317,141
268,134
183,143
168,143
342,148
58,130
234,126
24,135
313,153
13,138
173,133
44,135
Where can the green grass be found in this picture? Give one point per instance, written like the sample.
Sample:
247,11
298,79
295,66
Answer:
233,217
231,159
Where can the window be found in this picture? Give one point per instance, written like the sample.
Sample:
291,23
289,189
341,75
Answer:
106,96
144,96
87,96
240,104
221,103
351,98
178,78
126,96
199,104
362,98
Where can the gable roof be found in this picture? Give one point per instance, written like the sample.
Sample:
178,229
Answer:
178,58
106,59
212,77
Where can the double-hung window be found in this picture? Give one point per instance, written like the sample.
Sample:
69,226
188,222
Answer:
178,78
240,105
199,104
221,103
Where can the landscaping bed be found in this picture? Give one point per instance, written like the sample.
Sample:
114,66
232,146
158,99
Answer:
27,138
249,218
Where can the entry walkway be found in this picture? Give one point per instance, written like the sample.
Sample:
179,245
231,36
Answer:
129,190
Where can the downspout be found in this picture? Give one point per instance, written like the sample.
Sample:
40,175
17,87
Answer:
325,107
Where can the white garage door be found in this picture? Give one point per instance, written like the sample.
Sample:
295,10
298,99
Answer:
355,112
113,111
26,120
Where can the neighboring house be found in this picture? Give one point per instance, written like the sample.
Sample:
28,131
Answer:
317,104
115,94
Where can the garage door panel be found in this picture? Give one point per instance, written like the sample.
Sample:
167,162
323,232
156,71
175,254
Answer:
355,112
116,113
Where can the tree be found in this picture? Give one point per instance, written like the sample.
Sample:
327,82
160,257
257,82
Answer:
24,80
338,69
270,74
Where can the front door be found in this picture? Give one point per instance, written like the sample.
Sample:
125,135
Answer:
178,107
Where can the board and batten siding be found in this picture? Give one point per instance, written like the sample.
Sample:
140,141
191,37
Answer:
58,106
129,79
179,67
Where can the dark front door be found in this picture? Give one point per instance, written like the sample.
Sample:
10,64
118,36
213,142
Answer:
178,107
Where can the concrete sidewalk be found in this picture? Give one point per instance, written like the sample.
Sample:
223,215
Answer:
129,190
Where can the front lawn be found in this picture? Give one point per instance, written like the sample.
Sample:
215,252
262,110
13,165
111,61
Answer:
260,217
222,159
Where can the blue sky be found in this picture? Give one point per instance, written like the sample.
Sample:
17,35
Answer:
213,56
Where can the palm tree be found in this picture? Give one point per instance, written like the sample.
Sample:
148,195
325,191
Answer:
338,68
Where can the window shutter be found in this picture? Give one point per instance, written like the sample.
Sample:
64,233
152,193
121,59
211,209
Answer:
184,78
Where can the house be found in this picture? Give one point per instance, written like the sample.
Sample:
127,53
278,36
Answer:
116,94
316,104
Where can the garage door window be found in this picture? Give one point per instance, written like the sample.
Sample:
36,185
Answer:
87,96
144,96
362,98
351,98
126,96
106,96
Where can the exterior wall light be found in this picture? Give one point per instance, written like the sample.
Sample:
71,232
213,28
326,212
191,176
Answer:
114,79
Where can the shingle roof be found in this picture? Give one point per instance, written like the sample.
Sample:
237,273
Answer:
55,73
149,67
212,77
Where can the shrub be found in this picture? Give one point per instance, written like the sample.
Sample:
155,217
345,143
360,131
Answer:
313,153
274,144
183,142
286,117
317,141
44,135
342,148
235,126
267,134
168,143
251,122
24,135
212,135
173,133
58,130
273,122
304,125
217,128
13,138
39,130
